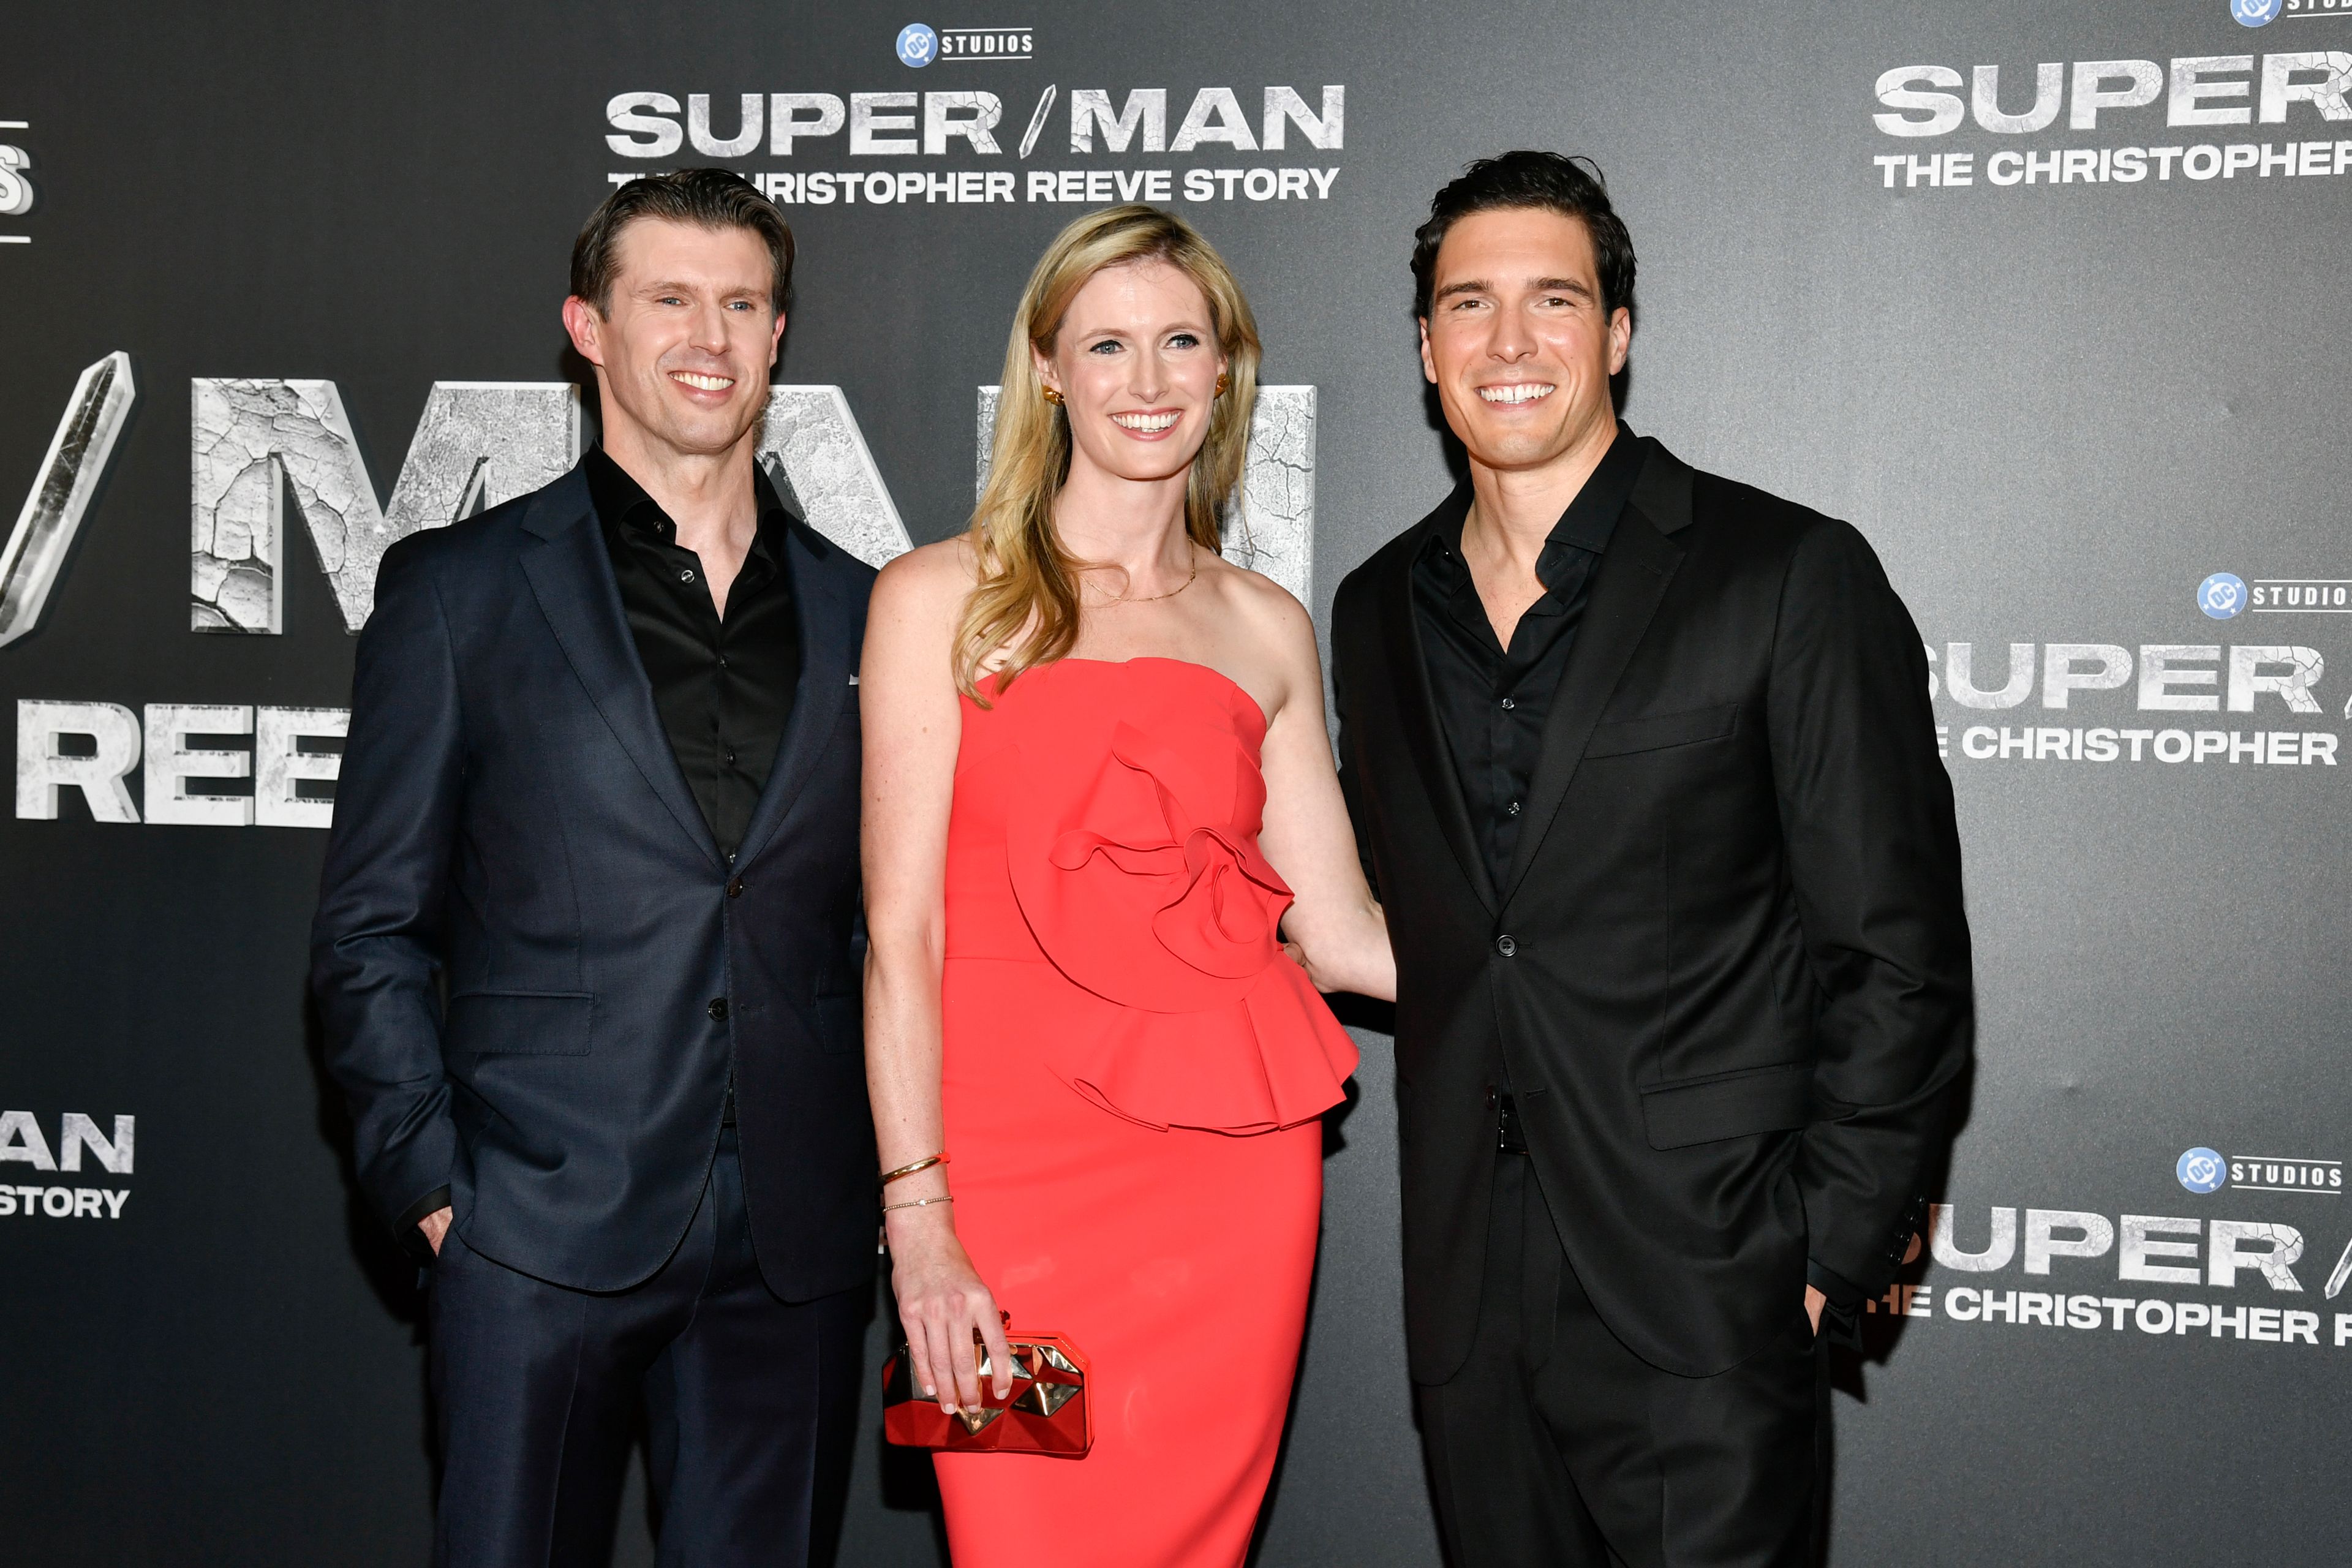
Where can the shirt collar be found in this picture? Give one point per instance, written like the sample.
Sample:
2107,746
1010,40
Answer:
1589,521
622,503
1592,516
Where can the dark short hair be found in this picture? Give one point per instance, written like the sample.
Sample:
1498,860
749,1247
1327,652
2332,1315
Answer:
708,198
1573,187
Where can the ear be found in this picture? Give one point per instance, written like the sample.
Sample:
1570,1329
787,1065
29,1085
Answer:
1620,338
1044,369
776,341
581,322
1428,364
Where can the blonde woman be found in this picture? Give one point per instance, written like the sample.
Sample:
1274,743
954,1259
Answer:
1097,785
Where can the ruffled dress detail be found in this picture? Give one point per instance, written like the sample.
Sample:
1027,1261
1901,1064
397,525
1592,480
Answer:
1131,802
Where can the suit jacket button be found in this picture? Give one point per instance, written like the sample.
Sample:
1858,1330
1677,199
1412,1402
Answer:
735,888
1505,946
718,1009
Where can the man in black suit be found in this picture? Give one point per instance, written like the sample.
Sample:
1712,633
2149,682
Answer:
588,948
1644,768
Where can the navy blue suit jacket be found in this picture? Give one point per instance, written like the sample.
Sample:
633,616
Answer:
534,964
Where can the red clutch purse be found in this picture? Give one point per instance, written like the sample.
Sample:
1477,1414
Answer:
1044,1413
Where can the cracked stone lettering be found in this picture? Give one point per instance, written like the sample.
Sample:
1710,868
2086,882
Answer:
2302,668
280,763
44,771
61,496
1276,535
171,764
812,440
2269,1249
253,442
21,1140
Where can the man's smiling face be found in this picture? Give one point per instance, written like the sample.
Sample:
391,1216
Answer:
686,339
1517,342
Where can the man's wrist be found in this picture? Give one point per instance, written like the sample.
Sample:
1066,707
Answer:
438,1198
1841,1317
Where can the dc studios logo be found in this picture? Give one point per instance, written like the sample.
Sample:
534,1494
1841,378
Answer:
2254,12
2223,595
918,45
2202,1171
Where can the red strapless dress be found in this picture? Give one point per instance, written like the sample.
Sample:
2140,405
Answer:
1133,1078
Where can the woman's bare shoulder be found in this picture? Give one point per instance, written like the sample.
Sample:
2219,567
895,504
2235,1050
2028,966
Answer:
1268,613
928,577
1267,639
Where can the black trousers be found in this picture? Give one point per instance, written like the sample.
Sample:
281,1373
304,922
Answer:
751,1404
1554,1445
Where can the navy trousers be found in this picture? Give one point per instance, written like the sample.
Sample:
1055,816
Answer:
751,1401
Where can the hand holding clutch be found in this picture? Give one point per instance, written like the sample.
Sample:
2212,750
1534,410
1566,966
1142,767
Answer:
1045,1412
943,1304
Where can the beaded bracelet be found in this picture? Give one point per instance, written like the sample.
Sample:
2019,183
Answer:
918,1202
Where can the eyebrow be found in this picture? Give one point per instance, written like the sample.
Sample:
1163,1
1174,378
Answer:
1540,285
742,291
1197,329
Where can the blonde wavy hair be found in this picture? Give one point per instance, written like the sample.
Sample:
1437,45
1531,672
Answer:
1026,600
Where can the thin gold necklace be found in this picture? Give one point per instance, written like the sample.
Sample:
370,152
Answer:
1155,598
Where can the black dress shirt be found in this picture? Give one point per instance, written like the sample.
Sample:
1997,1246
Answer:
724,688
1492,701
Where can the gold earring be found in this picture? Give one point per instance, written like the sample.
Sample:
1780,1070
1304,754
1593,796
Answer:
1052,397
1222,381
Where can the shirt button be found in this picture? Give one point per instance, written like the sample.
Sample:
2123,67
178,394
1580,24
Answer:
722,661
735,888
687,575
718,1009
1512,809
730,759
1508,705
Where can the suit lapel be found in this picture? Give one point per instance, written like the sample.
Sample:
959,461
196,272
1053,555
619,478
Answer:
1416,707
571,577
1634,571
828,622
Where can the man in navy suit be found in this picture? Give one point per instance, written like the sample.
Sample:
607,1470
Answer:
589,947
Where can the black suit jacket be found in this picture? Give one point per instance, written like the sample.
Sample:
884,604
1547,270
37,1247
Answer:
1728,970
512,833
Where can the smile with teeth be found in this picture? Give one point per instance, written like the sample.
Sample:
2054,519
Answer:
1149,424
703,382
1517,392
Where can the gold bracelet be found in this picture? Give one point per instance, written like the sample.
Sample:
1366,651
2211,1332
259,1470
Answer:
918,1202
925,1163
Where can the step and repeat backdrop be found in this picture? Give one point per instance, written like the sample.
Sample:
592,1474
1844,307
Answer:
2048,298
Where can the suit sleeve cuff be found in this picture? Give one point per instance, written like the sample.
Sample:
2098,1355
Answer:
1842,1291
1842,1311
405,1231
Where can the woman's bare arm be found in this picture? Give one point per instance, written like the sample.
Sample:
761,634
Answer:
912,725
1335,924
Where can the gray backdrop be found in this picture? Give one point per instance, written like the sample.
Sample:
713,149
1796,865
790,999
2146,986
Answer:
2059,398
